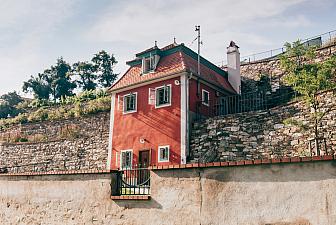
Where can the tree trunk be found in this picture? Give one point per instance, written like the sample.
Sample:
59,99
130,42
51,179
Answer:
316,132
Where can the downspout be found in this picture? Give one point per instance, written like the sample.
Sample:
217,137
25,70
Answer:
109,155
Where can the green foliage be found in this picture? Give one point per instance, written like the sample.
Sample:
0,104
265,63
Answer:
38,85
294,122
303,74
12,98
70,132
78,109
309,78
54,81
8,103
104,64
86,74
264,84
60,80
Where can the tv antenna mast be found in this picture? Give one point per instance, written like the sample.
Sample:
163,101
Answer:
198,30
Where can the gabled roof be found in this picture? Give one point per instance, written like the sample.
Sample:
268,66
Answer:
173,59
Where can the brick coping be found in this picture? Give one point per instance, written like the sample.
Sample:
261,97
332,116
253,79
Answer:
69,172
284,160
131,197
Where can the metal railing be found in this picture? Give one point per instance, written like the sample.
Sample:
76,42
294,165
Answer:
321,40
249,102
133,181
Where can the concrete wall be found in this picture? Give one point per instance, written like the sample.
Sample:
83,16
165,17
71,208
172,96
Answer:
275,194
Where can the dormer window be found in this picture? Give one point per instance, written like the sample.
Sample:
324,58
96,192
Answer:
149,63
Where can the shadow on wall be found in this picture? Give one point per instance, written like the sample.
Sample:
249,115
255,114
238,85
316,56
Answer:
293,172
129,204
163,122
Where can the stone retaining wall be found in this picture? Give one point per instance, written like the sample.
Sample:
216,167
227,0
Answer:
251,71
73,144
279,132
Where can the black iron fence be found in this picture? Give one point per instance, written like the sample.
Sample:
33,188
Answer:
322,40
133,181
254,101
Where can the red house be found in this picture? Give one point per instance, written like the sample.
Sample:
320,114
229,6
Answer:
156,100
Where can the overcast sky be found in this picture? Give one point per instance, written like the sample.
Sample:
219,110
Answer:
34,33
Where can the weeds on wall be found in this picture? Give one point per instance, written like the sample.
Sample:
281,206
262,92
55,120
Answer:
78,109
70,132
67,132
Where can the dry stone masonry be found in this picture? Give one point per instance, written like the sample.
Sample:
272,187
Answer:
251,72
279,132
72,144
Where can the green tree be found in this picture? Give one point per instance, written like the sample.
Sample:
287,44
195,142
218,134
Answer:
86,74
38,85
8,103
104,64
12,98
59,79
309,78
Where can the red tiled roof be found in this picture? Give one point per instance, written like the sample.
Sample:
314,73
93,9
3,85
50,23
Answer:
167,65
207,73
170,64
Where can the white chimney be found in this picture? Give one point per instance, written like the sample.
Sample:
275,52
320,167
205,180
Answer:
233,66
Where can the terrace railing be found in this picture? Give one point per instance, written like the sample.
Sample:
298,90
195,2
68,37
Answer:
327,39
248,102
133,181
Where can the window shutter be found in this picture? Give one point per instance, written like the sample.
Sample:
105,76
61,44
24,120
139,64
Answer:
156,61
143,65
151,96
120,102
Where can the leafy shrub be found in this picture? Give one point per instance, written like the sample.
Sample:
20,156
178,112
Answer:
38,115
21,139
78,109
70,132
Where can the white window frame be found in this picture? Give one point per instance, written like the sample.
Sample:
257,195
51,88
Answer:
163,146
151,67
170,97
121,158
136,103
203,94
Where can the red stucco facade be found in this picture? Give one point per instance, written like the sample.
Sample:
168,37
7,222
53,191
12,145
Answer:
157,126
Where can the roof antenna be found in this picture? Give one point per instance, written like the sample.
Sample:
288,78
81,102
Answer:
155,45
198,29
175,41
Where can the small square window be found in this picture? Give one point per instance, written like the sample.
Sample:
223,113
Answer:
148,64
126,157
163,153
205,97
130,102
163,96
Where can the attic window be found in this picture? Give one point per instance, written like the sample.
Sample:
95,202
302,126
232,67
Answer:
149,64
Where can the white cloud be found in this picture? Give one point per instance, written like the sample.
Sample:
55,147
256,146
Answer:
25,24
141,22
